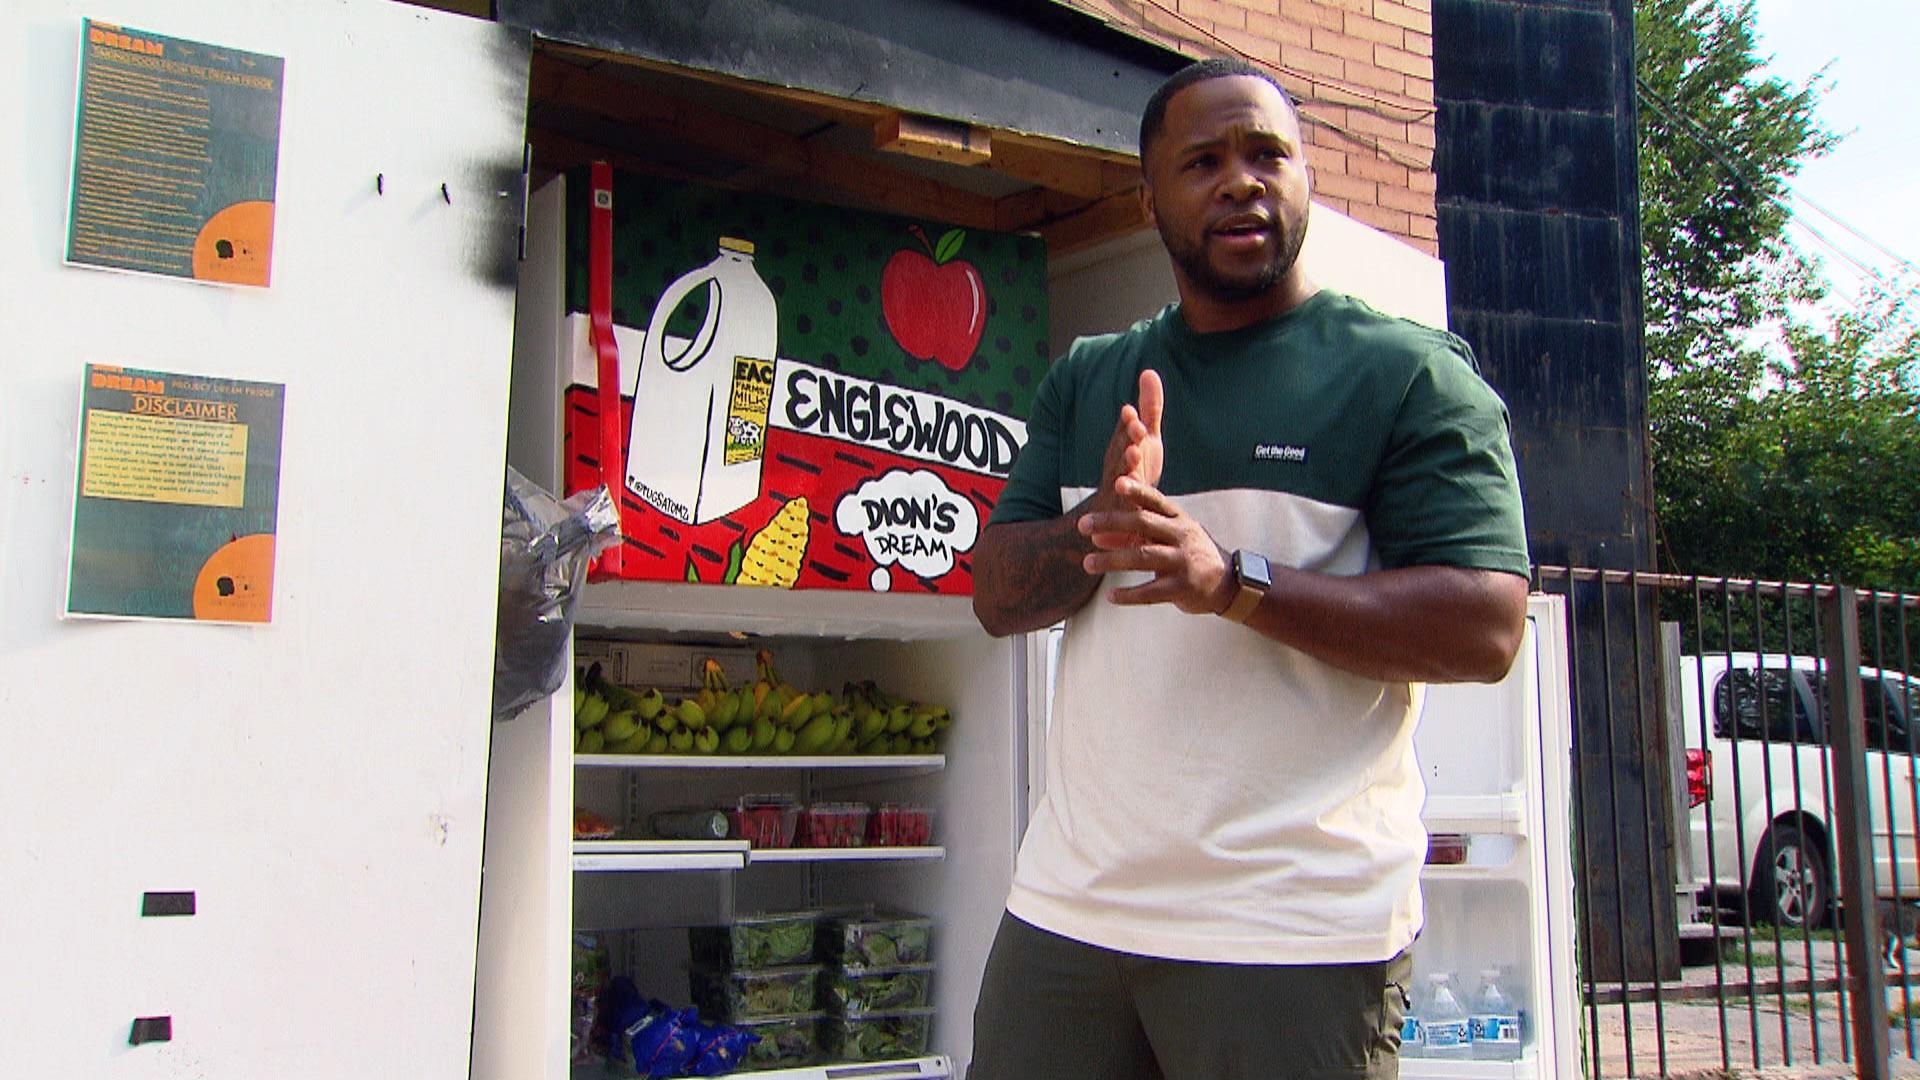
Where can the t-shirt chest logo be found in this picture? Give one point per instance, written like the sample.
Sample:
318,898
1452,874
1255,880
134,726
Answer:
1296,455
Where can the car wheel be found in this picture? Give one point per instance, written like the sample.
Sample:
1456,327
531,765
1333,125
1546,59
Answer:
1789,883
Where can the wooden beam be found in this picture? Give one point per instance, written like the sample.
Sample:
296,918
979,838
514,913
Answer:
769,151
559,151
1115,215
1082,195
934,139
1055,165
837,109
1022,211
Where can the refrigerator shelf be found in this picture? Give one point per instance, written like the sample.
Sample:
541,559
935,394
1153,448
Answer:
1498,813
728,761
1526,1068
670,855
846,854
678,607
938,1067
673,855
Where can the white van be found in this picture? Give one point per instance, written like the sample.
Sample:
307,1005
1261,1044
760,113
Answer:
1771,829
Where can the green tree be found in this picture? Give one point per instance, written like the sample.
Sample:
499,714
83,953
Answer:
1814,475
1784,455
1719,140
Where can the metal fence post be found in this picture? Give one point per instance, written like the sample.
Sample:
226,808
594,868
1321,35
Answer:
1840,626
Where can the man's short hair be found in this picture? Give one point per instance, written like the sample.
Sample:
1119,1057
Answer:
1155,117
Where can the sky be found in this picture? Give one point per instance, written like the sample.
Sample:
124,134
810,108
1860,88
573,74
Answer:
1871,180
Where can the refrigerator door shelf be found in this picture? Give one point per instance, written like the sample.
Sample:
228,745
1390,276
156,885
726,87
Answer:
1503,813
939,1067
668,855
1527,1067
1490,857
922,762
677,607
1508,871
848,854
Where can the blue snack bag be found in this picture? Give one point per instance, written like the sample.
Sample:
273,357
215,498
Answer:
723,1050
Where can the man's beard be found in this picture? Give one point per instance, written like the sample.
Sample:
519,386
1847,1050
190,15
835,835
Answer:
1192,259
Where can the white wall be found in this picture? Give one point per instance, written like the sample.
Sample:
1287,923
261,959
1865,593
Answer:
1107,288
317,782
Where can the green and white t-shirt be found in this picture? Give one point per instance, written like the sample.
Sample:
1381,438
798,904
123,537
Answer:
1210,794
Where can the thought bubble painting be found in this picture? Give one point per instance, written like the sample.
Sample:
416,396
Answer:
912,519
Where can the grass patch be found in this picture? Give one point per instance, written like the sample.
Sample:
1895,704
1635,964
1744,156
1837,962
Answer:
1735,953
1794,946
1901,1016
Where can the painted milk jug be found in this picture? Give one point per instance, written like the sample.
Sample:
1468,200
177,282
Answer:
700,407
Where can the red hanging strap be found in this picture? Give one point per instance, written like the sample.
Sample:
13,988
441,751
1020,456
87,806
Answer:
613,466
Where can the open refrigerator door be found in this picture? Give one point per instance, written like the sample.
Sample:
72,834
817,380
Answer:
1498,886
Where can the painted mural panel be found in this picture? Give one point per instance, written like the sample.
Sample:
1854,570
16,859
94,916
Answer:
809,396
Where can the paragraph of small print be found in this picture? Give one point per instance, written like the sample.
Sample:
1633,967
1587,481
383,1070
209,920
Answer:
162,460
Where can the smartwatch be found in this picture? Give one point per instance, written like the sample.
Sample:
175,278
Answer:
1253,578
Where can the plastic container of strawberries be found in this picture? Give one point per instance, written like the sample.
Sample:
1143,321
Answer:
900,825
835,825
764,821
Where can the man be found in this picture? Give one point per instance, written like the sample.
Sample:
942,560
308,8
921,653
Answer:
1268,514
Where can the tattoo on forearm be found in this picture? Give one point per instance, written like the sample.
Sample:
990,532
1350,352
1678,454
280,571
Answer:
1046,570
1037,573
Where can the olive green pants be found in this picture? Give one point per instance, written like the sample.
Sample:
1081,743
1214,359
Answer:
1052,1008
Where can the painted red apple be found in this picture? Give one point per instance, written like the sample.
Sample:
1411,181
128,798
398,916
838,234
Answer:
935,307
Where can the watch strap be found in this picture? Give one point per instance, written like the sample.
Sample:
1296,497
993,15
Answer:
1243,603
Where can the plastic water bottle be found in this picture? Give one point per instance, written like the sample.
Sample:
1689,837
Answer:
1413,1034
1448,1037
1495,1022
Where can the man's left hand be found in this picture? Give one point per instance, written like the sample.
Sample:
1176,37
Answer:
1190,570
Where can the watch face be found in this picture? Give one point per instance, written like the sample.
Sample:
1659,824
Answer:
1251,568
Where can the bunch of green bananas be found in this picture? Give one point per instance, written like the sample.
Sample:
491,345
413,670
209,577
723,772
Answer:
888,724
771,716
611,719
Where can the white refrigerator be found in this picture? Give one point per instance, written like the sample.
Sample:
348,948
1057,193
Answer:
1495,756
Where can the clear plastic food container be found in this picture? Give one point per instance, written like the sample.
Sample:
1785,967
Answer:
766,940
1446,849
751,993
785,1041
765,821
880,1036
834,825
900,825
859,990
876,937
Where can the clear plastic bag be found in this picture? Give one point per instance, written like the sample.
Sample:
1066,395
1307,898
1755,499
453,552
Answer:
545,545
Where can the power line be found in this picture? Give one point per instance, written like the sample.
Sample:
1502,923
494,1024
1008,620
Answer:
1367,141
1686,125
1898,260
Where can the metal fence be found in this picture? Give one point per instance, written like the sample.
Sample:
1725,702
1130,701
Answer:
1745,824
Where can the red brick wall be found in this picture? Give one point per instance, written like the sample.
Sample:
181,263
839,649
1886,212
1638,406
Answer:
1362,72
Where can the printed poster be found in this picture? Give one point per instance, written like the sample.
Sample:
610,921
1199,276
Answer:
178,497
176,152
811,396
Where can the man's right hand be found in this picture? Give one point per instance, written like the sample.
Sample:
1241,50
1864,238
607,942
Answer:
1029,574
1135,450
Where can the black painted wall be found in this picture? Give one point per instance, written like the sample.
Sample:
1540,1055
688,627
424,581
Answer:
1539,228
